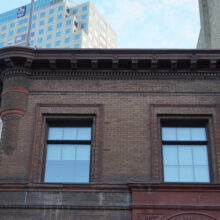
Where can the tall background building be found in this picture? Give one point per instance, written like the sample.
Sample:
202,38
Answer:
210,24
57,24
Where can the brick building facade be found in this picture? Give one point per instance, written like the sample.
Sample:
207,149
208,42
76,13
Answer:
124,106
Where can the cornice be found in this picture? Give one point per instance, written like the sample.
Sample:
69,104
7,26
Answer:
122,75
110,63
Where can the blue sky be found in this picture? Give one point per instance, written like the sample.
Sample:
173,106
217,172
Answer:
145,23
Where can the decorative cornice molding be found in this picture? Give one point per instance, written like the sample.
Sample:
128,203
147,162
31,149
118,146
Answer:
110,63
16,71
139,75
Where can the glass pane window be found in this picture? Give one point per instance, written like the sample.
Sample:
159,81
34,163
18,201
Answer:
59,25
23,21
2,36
67,40
22,29
76,45
48,45
58,34
49,37
42,14
59,17
69,133
51,11
41,31
68,31
185,154
77,37
11,33
68,154
4,28
85,8
40,40
57,43
50,28
60,8
183,134
50,19
33,25
83,17
68,22
12,25
41,22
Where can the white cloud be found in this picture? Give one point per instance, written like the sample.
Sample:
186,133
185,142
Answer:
152,23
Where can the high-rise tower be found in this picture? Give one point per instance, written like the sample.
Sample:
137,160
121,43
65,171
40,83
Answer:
57,24
210,24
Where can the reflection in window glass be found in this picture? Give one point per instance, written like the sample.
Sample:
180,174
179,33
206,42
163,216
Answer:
184,158
51,11
59,25
84,8
66,161
83,17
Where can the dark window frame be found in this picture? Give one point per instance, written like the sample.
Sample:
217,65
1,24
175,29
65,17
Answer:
68,121
187,121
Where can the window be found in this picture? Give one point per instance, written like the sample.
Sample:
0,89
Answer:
83,17
68,153
21,38
48,45
51,11
41,31
60,8
76,46
50,20
22,29
67,31
49,37
34,17
50,28
10,42
59,17
1,44
12,25
23,21
42,14
77,37
11,33
57,43
33,25
41,22
58,34
68,22
59,25
67,40
40,40
84,8
2,36
185,153
4,28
